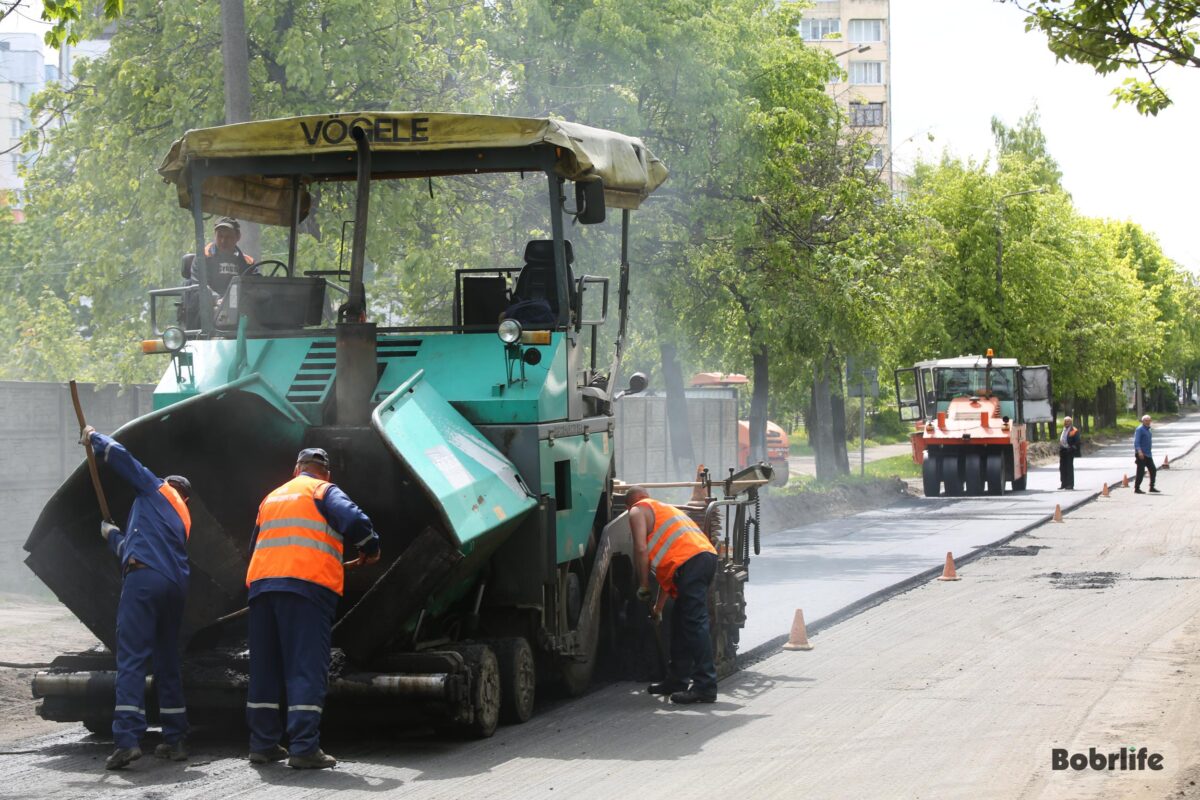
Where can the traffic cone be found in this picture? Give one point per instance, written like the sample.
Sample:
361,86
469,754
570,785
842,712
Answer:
1057,513
948,573
798,640
1104,490
1124,481
1166,462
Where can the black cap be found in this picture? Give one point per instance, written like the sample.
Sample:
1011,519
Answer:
181,484
228,222
315,455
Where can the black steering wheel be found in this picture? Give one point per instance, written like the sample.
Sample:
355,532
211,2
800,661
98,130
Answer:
277,263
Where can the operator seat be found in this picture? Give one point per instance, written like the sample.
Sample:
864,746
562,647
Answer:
536,281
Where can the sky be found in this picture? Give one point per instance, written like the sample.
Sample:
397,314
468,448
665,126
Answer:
958,63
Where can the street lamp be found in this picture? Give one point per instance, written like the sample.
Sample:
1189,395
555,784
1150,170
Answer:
999,207
862,48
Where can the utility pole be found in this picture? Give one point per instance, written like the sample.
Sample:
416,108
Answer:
235,53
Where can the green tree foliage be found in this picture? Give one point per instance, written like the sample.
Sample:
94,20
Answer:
1122,35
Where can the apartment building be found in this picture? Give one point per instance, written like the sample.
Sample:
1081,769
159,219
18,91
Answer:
23,71
858,33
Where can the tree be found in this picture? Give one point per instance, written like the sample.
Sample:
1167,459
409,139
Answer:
69,17
1113,35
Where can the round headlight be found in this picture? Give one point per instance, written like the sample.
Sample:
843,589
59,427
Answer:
174,339
509,331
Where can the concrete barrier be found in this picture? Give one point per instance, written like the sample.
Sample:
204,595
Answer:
39,449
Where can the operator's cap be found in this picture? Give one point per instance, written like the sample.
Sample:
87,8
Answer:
181,485
314,454
228,222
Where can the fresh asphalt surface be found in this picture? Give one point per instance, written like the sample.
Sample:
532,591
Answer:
824,567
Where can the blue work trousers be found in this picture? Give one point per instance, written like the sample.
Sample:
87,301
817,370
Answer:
691,641
289,671
148,620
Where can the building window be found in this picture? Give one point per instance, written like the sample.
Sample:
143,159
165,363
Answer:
16,128
868,73
816,29
876,159
866,115
866,30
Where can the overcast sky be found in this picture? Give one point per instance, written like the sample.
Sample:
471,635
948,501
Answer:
956,63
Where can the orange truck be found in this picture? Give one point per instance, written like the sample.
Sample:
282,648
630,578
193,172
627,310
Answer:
969,415
778,450
777,441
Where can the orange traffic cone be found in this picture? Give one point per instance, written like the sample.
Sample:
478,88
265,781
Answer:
1124,481
1104,490
1057,513
948,573
1166,462
798,640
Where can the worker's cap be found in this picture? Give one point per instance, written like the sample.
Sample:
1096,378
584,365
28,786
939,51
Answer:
181,485
228,222
313,455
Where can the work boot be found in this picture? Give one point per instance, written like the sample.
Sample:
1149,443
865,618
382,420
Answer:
172,752
1139,491
692,696
668,686
314,760
276,753
1154,491
122,757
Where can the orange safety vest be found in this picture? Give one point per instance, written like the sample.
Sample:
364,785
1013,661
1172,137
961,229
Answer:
172,494
210,250
294,539
673,539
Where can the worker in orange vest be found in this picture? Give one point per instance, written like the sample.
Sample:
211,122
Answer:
684,562
295,580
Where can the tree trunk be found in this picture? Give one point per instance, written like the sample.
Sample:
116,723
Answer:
1106,405
678,428
821,424
837,405
758,405
235,55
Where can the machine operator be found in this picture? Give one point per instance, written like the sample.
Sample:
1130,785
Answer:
295,580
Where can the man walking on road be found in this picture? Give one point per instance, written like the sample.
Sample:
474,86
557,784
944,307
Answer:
1069,447
295,580
684,562
1142,456
154,563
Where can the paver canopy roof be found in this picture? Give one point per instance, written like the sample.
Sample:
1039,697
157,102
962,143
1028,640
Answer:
630,172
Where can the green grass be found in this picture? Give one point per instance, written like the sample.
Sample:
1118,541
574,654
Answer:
798,447
901,466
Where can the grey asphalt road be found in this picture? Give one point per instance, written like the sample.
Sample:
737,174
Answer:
824,567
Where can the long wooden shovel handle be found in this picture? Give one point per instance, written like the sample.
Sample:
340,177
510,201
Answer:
91,457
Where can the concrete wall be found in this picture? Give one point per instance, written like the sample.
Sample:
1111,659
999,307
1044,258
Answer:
39,449
643,444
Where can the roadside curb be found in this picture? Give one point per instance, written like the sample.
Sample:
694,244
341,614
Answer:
772,646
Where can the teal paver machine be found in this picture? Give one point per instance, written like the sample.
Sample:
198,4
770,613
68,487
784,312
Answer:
482,449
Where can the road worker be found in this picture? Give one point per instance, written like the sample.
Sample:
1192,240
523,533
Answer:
295,581
154,563
684,562
1143,457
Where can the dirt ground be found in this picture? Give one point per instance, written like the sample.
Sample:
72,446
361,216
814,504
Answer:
31,633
